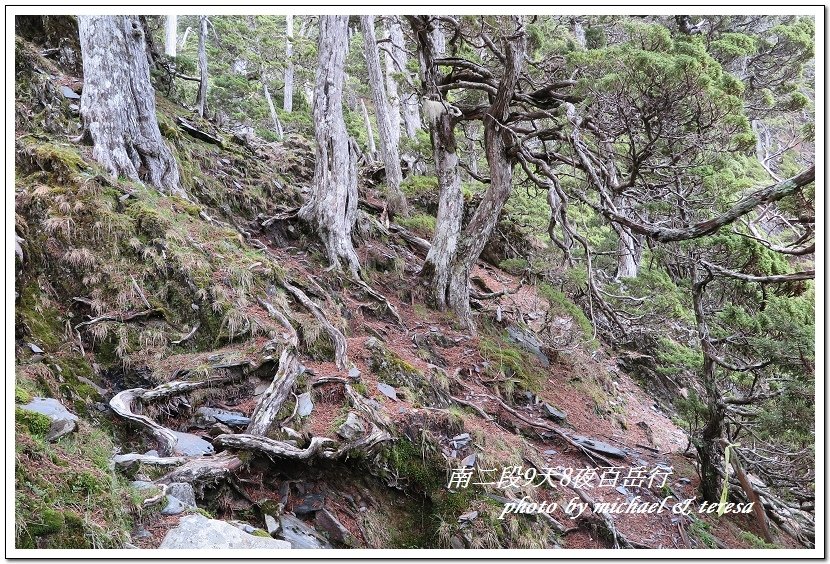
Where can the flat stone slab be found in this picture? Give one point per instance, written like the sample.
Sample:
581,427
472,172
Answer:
388,391
63,422
197,531
207,416
553,413
528,342
183,492
188,444
598,446
300,535
304,404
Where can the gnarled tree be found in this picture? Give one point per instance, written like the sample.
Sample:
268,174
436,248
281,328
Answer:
118,104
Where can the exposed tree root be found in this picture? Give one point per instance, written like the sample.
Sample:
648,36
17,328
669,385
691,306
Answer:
271,447
274,397
203,470
340,358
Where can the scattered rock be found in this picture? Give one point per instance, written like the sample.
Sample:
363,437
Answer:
188,444
69,93
388,391
300,535
183,492
207,416
599,446
142,485
152,452
460,441
34,348
63,422
553,413
470,461
219,429
174,506
529,342
684,481
354,373
304,404
271,525
310,504
551,452
468,517
197,531
457,542
328,524
352,428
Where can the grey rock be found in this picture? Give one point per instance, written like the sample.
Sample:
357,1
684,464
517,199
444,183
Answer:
469,461
352,428
152,453
183,492
529,342
467,517
599,446
300,535
63,422
388,391
456,542
174,506
206,416
553,413
142,485
684,481
69,93
34,348
310,504
551,452
271,525
141,533
260,389
460,441
197,531
219,429
188,444
623,490
334,529
354,373
304,404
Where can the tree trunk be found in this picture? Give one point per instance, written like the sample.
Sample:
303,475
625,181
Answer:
579,33
201,100
184,38
170,29
409,98
391,67
332,206
388,145
118,104
288,91
370,135
708,439
629,246
436,269
273,110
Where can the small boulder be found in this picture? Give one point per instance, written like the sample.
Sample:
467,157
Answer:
352,428
63,422
553,413
207,416
188,444
300,535
174,506
271,525
388,391
469,461
310,504
328,524
183,492
198,532
304,404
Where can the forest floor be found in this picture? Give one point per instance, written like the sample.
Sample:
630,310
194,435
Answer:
529,353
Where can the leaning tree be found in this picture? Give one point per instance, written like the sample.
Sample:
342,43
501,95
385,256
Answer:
118,104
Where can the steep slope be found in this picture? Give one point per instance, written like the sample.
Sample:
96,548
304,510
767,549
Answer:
143,309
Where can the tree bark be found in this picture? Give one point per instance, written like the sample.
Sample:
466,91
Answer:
118,104
201,100
170,30
272,109
409,98
370,134
388,145
496,141
629,246
391,67
288,91
436,269
332,207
